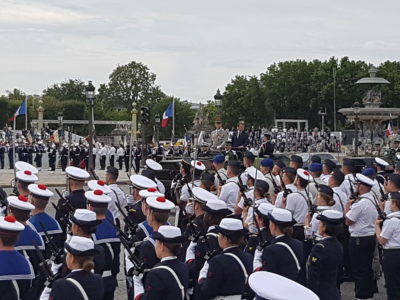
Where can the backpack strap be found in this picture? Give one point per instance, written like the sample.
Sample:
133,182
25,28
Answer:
239,261
291,252
79,287
172,272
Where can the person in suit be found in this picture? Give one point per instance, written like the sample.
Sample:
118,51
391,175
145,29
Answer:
326,257
267,148
169,278
81,283
240,138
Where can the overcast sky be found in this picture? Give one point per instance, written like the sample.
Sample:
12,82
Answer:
194,47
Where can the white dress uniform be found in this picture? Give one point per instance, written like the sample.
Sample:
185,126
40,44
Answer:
325,178
120,152
345,186
270,179
312,188
312,230
391,231
229,192
340,199
297,204
111,152
279,197
363,213
185,194
222,174
249,194
117,195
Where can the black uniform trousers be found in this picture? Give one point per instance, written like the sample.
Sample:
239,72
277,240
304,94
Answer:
391,271
64,161
361,250
112,158
120,162
2,160
103,162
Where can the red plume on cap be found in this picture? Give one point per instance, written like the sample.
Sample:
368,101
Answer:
98,192
152,190
161,199
306,173
22,198
27,172
10,219
100,182
199,163
41,186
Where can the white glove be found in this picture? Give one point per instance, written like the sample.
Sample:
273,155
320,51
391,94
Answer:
45,294
257,262
138,285
55,268
204,271
190,251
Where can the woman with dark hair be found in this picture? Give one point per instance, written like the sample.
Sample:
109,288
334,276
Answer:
81,283
226,274
326,257
168,280
388,235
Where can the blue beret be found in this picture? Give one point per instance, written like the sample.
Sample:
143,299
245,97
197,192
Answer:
315,167
219,158
368,171
267,162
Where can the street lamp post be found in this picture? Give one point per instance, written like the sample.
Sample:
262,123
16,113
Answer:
356,111
133,136
90,96
218,102
322,113
157,121
60,118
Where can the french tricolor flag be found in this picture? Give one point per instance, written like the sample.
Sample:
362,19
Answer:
21,111
389,130
169,113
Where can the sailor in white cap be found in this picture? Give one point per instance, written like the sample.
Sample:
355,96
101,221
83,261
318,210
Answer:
199,168
361,214
206,245
262,237
284,255
226,274
299,202
24,178
118,198
16,272
168,279
81,283
20,208
156,167
326,257
267,285
39,196
22,166
252,174
381,169
106,236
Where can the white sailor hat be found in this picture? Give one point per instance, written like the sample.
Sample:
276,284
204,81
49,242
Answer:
265,208
362,179
216,207
26,176
9,223
202,195
198,165
272,286
282,217
381,162
150,192
141,182
99,185
168,234
97,196
22,166
304,174
331,216
81,246
231,226
254,173
40,190
85,217
153,165
160,203
77,173
20,202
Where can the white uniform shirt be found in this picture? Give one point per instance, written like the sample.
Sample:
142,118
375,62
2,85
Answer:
312,188
345,186
120,152
103,151
160,186
325,178
312,230
297,204
185,195
222,174
249,194
340,199
116,195
230,192
363,213
278,202
250,220
268,179
111,152
391,230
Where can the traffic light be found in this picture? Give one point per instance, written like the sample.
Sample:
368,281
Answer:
145,115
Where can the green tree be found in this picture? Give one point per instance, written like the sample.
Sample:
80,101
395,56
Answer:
73,109
3,111
127,84
72,89
390,70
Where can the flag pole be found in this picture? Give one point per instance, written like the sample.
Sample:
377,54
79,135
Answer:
14,141
173,119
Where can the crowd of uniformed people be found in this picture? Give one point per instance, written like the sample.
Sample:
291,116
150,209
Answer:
236,232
